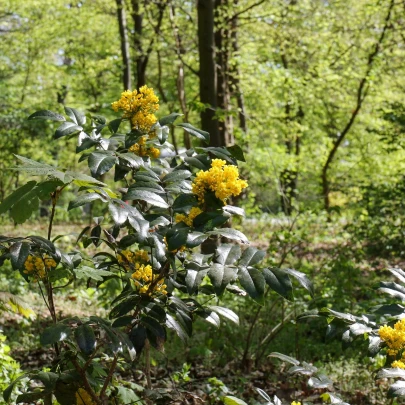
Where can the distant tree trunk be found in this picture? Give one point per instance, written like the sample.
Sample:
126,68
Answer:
222,46
126,61
137,17
207,72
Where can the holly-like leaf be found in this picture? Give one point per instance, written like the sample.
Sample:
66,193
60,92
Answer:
86,339
149,197
76,116
253,282
227,254
67,128
54,334
19,252
279,281
46,115
230,234
169,119
221,276
198,133
101,162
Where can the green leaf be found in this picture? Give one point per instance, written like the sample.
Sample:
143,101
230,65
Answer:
76,116
55,333
252,256
176,238
16,196
135,162
237,152
114,125
84,199
302,279
391,373
198,133
226,313
9,390
176,175
127,396
230,209
230,234
397,390
285,358
24,208
118,213
227,254
42,243
221,276
195,239
230,400
279,282
149,197
253,282
19,252
320,381
101,162
46,115
184,202
173,324
85,272
194,278
169,119
86,339
65,129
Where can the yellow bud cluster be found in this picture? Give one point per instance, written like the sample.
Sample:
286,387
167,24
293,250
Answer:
128,259
139,107
141,149
83,397
222,179
188,219
37,266
144,277
395,339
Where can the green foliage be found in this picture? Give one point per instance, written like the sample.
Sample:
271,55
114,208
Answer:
161,278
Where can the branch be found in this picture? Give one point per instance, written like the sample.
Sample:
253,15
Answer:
362,90
236,15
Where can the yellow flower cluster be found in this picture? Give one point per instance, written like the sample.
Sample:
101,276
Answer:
222,179
295,403
188,219
83,397
144,276
36,266
141,149
139,107
128,259
394,338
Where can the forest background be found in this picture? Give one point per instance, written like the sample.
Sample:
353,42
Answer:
313,92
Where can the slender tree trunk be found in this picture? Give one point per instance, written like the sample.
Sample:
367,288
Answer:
126,61
362,92
137,17
222,46
207,72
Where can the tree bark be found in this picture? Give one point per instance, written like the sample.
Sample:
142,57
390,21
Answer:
126,61
207,72
137,18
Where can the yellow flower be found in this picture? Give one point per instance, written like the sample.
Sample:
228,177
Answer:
295,403
83,397
139,107
37,266
393,337
222,179
188,219
398,364
143,276
141,149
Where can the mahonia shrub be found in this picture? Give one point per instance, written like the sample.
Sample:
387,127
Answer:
164,207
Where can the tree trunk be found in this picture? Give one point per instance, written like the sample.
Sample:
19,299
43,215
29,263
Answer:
126,61
137,17
207,73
